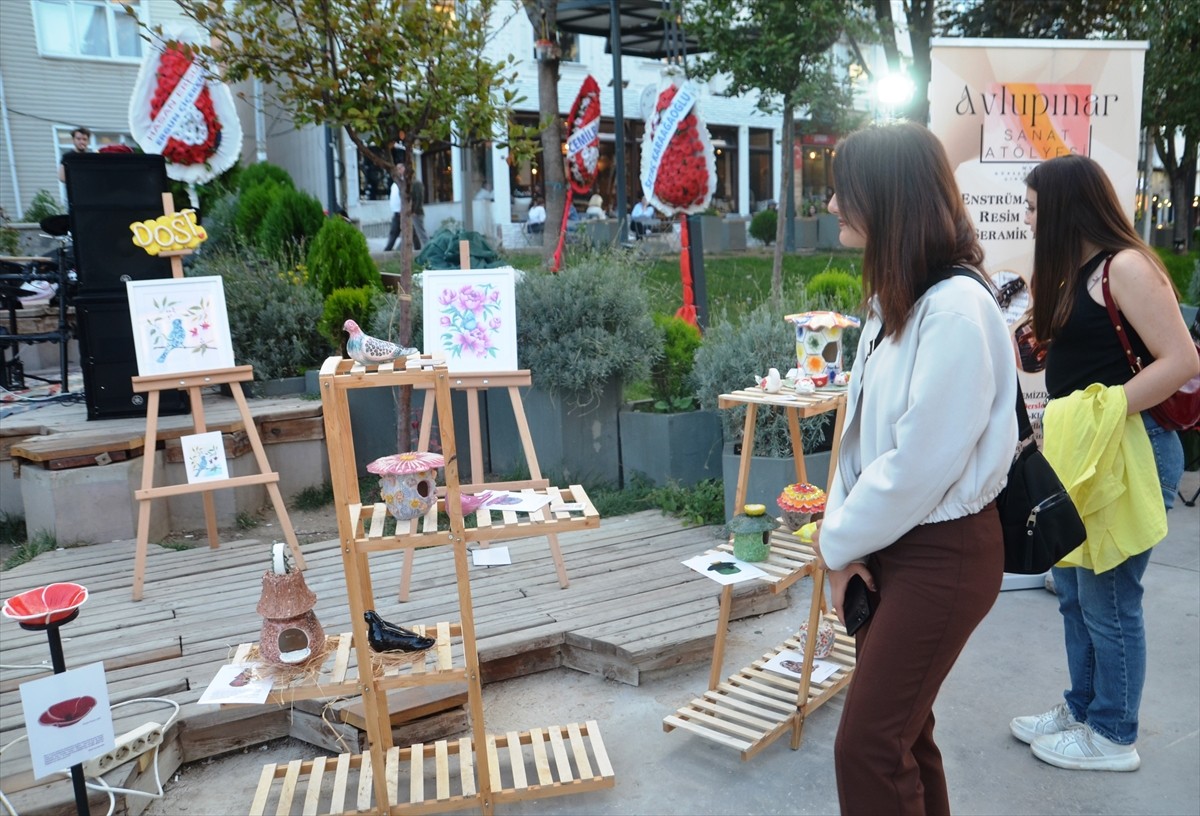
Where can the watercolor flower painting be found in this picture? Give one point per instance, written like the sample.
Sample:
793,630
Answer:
471,317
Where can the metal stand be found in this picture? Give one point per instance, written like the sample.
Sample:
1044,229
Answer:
60,666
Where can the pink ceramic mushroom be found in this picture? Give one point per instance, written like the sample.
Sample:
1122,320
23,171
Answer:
45,605
408,482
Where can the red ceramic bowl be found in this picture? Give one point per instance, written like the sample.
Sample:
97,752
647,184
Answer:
67,712
45,605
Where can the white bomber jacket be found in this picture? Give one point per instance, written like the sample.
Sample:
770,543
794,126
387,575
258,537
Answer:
936,430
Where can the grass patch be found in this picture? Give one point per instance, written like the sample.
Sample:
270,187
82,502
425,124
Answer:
314,497
178,545
700,504
12,528
246,521
42,541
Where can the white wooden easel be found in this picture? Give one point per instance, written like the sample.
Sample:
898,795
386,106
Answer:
152,386
471,385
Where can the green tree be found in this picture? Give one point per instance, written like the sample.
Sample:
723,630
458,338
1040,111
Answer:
765,46
375,69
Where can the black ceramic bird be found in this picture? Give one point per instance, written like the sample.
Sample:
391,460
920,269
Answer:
388,637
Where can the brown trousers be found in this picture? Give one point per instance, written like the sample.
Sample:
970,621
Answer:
935,584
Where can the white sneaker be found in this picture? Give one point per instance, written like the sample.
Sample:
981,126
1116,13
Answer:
1054,721
1082,749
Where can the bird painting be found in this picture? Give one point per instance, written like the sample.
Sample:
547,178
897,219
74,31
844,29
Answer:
174,339
368,350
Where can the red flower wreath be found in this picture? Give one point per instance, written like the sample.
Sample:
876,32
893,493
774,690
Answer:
176,59
683,177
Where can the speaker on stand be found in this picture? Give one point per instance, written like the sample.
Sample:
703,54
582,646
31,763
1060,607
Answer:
106,192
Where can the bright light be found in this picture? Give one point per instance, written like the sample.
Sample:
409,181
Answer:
894,90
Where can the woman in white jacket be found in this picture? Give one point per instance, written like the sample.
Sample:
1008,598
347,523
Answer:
930,434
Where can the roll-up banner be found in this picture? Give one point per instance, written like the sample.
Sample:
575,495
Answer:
1002,106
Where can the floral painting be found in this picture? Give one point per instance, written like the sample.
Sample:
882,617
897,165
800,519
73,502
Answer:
179,325
470,318
204,457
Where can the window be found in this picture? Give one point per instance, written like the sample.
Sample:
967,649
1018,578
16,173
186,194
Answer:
98,29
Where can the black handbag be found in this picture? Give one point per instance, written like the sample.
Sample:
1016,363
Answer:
1039,520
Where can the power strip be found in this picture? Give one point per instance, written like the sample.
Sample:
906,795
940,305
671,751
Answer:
129,745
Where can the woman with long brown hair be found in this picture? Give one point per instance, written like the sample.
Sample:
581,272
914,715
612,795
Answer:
929,436
1084,243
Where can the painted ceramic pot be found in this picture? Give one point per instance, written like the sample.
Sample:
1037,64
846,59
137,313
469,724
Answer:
408,482
825,639
751,532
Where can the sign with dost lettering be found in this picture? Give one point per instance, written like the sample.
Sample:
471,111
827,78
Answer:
1002,106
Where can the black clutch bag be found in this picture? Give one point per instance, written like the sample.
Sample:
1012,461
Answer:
856,605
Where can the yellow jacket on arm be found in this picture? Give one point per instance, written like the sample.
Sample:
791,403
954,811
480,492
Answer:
1105,461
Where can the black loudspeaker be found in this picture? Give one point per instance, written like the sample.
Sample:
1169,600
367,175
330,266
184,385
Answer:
109,361
106,192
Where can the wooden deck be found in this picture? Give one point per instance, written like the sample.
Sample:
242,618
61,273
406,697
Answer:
632,610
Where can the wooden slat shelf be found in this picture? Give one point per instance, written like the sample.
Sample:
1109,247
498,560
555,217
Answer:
789,560
339,676
753,708
808,405
538,763
371,521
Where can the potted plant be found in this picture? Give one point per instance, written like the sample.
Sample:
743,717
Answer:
581,333
667,438
729,359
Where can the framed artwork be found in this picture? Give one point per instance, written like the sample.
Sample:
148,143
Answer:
204,457
470,318
180,325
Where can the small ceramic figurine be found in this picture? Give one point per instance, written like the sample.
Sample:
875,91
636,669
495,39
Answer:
772,382
367,350
805,385
826,636
388,637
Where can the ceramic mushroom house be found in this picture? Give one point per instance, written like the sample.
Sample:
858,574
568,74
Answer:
819,344
800,502
751,531
290,632
408,482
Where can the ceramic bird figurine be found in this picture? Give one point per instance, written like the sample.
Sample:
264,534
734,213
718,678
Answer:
368,350
388,637
174,339
772,382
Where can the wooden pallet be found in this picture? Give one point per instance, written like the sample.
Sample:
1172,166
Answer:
538,763
753,708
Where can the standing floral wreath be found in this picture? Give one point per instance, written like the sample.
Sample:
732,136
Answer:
181,112
583,151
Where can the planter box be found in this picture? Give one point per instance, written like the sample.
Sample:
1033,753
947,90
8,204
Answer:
827,232
712,234
735,232
684,448
768,476
573,443
284,386
806,233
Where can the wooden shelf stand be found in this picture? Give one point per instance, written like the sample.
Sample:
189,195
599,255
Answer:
752,708
448,774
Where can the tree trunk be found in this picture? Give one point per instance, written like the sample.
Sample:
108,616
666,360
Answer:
920,30
553,170
785,184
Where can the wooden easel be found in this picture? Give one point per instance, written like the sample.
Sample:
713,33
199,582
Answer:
471,385
152,386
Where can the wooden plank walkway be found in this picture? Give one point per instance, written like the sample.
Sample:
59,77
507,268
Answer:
632,609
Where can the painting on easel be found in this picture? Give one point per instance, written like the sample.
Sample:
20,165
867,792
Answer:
470,318
204,457
180,325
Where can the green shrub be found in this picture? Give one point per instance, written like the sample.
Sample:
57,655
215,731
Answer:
385,317
836,290
253,205
731,356
1180,268
255,174
292,221
342,305
220,222
670,376
272,312
338,258
764,225
585,327
10,239
42,206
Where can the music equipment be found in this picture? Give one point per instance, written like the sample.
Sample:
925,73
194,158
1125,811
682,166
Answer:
108,361
106,192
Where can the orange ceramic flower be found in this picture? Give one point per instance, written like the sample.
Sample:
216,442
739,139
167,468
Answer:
802,497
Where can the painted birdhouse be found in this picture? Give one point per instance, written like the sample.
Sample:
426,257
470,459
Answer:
408,482
751,531
819,343
290,632
800,502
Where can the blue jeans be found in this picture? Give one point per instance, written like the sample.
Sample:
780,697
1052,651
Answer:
1103,624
